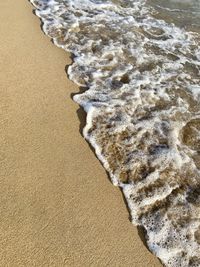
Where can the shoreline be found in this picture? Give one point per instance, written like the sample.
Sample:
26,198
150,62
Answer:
58,207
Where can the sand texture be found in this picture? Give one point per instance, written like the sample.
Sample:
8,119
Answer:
57,205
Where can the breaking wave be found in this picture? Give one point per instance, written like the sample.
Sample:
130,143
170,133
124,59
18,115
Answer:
143,117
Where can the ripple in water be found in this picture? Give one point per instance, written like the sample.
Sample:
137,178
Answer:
142,102
184,13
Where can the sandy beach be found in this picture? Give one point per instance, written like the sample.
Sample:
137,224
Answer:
57,205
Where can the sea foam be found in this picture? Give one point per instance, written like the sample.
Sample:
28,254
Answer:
141,76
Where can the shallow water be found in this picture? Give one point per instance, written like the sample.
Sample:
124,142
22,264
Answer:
140,67
183,13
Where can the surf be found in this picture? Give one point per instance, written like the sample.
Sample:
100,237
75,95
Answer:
142,84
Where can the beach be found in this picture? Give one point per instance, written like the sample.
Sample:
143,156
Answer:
57,204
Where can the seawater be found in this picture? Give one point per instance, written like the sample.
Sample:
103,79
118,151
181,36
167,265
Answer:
139,62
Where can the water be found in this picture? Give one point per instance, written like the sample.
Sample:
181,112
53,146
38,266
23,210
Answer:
139,62
183,13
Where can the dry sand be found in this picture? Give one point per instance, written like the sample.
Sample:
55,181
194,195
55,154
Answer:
57,206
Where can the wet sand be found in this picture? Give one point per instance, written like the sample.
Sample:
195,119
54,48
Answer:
57,205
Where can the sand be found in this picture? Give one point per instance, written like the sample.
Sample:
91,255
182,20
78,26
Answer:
57,205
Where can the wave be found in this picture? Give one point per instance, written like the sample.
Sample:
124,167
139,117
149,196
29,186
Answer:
142,102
